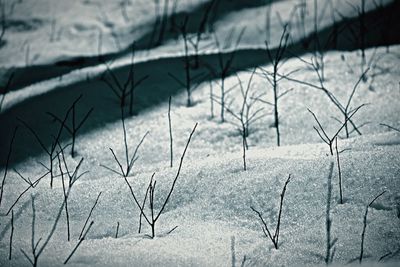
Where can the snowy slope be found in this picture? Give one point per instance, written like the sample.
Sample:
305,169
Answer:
212,203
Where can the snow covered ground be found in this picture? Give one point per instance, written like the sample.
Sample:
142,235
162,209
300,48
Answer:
209,211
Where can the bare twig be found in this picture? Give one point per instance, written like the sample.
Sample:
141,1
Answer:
365,226
275,237
339,171
65,198
79,242
33,185
390,127
130,160
90,214
170,133
75,126
11,235
211,100
7,164
116,232
233,256
330,245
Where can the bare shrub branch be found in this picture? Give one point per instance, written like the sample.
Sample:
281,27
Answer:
272,77
79,242
365,226
330,244
7,164
170,133
75,125
224,66
153,217
130,160
127,89
275,237
90,214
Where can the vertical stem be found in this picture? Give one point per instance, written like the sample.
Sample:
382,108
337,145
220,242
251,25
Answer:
363,235
12,234
116,233
244,147
328,220
163,22
125,142
7,163
196,56
211,101
365,226
79,243
278,225
73,131
51,170
233,259
187,70
346,127
170,132
362,33
276,115
331,147
316,25
222,98
65,199
67,214
132,74
268,22
73,144
153,222
339,171
33,226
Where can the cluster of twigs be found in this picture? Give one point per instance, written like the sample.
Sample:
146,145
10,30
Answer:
126,89
153,217
75,125
37,247
273,79
129,159
224,67
246,116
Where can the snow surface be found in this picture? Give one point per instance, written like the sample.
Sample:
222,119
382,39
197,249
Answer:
211,201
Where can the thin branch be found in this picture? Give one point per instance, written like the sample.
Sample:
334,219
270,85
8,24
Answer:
7,163
79,243
90,214
170,133
274,238
11,235
177,174
365,226
116,232
390,127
